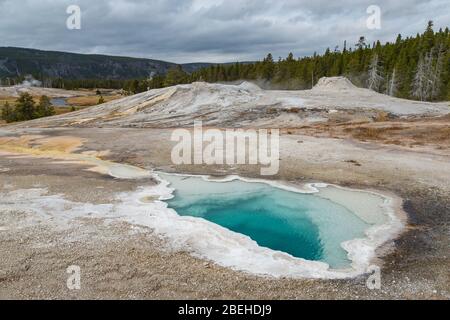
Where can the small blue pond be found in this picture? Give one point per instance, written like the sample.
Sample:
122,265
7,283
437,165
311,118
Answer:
60,102
304,225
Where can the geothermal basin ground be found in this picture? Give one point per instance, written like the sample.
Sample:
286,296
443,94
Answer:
84,189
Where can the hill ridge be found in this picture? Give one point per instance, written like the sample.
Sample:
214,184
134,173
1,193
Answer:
17,61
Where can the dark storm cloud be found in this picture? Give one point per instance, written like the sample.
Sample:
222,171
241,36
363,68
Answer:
209,30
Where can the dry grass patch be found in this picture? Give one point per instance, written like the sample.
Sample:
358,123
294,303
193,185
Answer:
368,133
444,133
10,100
395,141
381,116
90,100
271,110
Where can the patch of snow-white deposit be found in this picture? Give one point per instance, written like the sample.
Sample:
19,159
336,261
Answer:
202,238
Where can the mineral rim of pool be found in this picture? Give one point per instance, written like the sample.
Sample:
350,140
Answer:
308,226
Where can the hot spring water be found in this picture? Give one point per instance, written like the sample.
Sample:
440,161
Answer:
307,226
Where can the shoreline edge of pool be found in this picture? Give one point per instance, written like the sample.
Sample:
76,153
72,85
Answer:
241,253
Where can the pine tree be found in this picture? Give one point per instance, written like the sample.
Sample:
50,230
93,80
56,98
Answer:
8,113
361,44
44,108
175,76
25,108
101,100
428,36
268,67
134,86
290,57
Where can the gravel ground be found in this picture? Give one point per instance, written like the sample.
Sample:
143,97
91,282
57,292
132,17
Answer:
119,260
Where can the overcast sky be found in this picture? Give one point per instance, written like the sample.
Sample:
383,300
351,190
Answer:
210,30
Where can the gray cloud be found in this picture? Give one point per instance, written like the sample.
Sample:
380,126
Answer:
209,30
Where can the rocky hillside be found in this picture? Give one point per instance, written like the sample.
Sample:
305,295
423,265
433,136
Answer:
20,62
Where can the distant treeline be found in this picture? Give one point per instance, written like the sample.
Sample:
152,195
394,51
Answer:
414,67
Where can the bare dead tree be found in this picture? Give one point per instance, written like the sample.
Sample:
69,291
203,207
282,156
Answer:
375,77
437,73
392,84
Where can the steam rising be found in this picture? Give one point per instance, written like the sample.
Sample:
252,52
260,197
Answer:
31,82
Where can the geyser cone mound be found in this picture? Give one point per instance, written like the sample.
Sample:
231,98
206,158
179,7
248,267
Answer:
334,83
244,105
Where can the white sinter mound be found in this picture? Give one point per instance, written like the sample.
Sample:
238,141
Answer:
333,84
241,105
